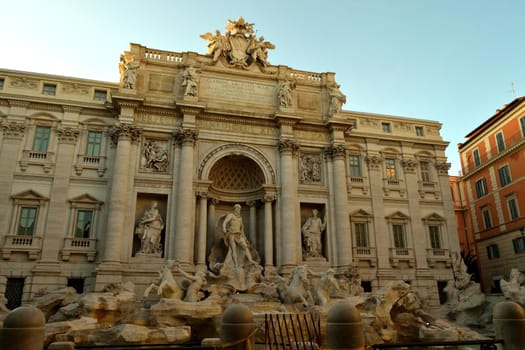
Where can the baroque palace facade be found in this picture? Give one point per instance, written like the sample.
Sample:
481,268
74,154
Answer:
100,182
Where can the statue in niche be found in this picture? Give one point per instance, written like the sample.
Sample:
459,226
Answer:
189,81
337,99
232,256
235,239
286,88
310,169
312,230
156,158
128,68
149,230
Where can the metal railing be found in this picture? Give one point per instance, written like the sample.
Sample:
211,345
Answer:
292,331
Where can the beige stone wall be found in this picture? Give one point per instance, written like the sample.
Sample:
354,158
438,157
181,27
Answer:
159,143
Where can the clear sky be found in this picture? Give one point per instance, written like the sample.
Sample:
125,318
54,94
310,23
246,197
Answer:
455,61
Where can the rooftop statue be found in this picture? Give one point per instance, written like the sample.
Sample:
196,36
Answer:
238,47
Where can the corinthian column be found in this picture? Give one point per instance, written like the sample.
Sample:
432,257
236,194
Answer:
268,232
183,243
203,225
122,135
342,222
290,233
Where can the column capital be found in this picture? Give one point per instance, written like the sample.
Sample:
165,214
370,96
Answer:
443,168
374,162
202,194
409,165
214,201
336,150
125,131
251,203
288,145
186,135
269,198
14,130
67,135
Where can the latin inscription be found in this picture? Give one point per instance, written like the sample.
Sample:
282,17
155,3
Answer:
232,90
156,119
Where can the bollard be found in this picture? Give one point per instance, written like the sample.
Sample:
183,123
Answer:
237,328
344,328
509,324
24,329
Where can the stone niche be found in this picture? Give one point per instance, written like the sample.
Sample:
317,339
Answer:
149,231
314,242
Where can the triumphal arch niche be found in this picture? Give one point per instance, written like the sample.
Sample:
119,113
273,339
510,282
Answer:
258,150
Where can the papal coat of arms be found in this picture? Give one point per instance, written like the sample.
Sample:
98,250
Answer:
238,47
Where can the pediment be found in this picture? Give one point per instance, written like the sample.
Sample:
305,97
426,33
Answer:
398,215
29,195
434,217
86,198
361,213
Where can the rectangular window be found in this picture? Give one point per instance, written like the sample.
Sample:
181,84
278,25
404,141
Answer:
420,131
93,143
390,169
481,187
487,220
519,244
425,171
100,95
83,223
493,251
355,165
361,234
1,83
477,159
500,142
386,127
435,237
504,175
399,236
522,123
27,221
41,140
513,208
50,89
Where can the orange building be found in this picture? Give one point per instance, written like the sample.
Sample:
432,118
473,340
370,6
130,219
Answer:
489,197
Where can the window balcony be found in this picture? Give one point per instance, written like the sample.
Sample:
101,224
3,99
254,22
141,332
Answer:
367,254
79,246
393,184
85,161
435,255
44,159
402,254
32,245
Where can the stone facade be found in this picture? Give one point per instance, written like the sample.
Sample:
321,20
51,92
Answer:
83,161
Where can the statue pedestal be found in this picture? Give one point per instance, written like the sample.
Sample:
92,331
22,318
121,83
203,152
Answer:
318,264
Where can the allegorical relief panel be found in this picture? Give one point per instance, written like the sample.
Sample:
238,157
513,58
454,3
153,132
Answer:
310,169
155,156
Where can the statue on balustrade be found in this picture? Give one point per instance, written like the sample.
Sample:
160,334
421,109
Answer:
337,99
128,68
312,231
149,230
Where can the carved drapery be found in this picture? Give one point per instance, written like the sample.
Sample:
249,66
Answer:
310,169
